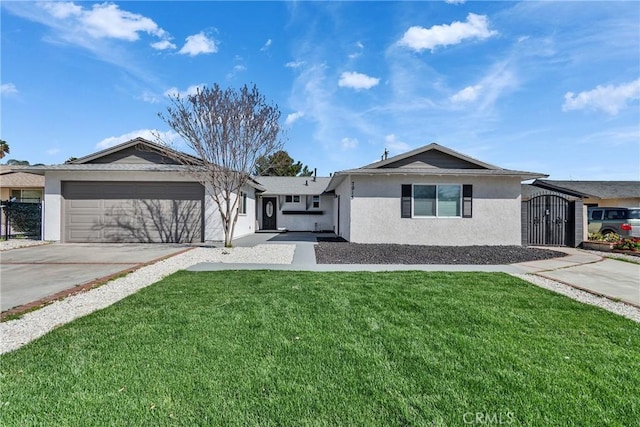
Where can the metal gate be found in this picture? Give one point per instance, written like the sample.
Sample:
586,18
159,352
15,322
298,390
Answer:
550,221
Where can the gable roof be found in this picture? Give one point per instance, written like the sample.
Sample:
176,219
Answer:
140,143
434,147
294,185
432,160
595,189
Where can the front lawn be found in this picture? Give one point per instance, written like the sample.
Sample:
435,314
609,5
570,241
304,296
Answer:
295,348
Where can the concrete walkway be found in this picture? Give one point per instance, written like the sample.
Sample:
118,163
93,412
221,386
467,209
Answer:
614,279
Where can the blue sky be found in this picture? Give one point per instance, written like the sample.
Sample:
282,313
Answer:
550,87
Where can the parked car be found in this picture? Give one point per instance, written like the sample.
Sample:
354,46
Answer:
605,220
633,218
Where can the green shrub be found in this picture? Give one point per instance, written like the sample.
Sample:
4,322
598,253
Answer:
610,237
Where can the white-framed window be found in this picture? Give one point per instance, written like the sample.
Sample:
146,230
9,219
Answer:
437,200
24,195
315,201
292,199
242,203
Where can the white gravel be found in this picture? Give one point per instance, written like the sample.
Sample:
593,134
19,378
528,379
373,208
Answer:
5,245
620,308
16,333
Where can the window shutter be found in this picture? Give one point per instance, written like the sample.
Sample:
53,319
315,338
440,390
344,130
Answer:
467,200
406,201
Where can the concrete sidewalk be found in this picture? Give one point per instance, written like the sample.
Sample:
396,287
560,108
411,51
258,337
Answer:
614,279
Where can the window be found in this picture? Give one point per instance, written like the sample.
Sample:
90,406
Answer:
596,215
242,203
292,199
315,201
437,200
28,196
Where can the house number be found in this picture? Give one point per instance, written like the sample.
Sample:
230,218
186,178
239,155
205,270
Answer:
269,209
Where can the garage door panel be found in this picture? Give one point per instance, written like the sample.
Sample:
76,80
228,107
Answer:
133,212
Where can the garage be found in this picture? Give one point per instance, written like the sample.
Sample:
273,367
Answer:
132,211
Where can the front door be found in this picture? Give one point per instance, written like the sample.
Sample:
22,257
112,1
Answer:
269,213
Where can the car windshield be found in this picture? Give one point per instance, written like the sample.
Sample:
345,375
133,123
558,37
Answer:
634,213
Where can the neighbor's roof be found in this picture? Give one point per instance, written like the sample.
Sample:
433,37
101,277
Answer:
16,176
294,185
596,189
529,191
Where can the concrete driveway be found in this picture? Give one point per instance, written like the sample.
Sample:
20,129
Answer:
32,273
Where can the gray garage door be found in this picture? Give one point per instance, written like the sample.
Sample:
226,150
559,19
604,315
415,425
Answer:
133,211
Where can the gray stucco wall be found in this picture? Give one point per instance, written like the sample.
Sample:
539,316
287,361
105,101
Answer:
375,213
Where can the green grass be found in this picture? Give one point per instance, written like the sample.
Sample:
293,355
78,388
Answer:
293,348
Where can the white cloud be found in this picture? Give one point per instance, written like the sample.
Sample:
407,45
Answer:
420,38
235,71
357,80
468,94
149,97
294,64
8,89
150,134
454,1
105,20
62,10
266,45
191,90
395,146
293,117
53,151
610,99
360,48
198,44
349,143
163,44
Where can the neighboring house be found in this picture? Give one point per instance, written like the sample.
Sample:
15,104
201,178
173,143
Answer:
431,195
596,193
21,185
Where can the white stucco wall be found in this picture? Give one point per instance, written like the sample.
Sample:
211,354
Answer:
53,202
375,213
301,222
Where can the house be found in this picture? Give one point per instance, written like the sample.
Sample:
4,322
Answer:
432,195
596,193
19,184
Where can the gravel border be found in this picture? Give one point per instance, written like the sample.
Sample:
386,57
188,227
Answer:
620,308
6,245
32,325
615,255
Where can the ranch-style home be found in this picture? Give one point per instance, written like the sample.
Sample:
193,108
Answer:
432,195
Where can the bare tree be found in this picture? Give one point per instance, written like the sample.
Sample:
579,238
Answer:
229,130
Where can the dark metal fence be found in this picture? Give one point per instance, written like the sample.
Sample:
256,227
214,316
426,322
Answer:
21,219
